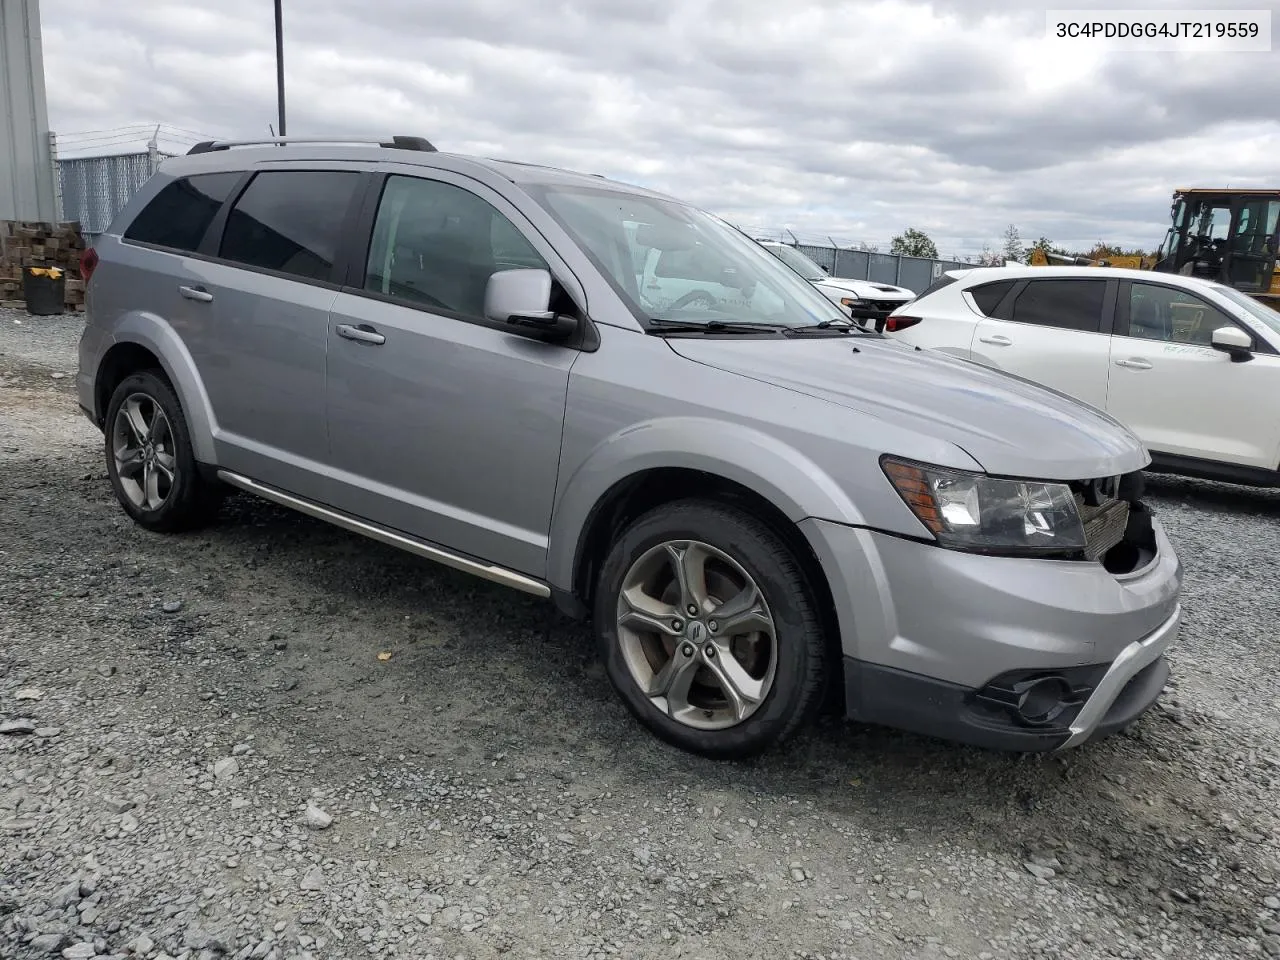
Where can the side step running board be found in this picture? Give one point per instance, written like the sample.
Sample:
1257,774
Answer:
508,578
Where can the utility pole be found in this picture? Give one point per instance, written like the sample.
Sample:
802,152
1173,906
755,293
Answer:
280,66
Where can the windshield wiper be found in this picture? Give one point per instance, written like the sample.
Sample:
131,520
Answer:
840,326
660,325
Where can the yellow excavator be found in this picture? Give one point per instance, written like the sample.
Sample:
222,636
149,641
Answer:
1231,236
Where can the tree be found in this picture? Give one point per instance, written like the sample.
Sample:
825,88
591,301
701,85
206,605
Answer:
986,258
1012,244
1045,244
913,243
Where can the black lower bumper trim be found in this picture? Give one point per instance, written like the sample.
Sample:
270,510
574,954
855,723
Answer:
909,701
935,708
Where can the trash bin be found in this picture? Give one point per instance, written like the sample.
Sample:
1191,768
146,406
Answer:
45,290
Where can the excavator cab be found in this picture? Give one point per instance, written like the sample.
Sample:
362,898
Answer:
1231,236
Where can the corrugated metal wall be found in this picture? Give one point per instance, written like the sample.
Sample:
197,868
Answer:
26,165
914,273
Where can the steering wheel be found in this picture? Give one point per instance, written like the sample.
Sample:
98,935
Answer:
694,296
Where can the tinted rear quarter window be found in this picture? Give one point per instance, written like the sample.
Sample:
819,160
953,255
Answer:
178,216
290,221
988,295
1067,304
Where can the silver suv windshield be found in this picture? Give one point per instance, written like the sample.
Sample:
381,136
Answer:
672,262
797,261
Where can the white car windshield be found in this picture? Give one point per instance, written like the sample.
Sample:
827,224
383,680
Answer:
797,261
1255,308
672,262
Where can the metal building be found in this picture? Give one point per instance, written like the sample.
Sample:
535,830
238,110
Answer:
27,179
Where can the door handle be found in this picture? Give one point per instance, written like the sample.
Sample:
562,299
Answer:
1134,364
997,341
361,334
196,293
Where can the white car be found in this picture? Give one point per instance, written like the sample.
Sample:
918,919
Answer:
864,299
1189,365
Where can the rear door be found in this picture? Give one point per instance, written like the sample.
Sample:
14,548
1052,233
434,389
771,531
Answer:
1054,331
262,352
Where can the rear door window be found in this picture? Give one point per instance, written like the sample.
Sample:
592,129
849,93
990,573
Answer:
290,221
178,216
1066,304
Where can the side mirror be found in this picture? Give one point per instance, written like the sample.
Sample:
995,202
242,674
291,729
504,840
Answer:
1234,342
522,298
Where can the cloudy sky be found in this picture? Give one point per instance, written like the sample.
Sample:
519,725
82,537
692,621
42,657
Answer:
844,119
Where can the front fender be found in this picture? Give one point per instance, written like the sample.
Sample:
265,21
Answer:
155,334
782,475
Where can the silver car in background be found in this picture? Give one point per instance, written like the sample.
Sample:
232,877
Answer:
753,500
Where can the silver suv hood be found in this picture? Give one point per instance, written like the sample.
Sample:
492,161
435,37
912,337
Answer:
1009,425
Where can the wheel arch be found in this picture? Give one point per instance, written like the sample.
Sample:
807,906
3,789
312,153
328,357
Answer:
145,341
636,495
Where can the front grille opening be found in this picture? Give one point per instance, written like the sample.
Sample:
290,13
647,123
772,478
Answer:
1137,547
1117,525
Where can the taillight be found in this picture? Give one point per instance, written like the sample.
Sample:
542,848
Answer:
894,324
88,260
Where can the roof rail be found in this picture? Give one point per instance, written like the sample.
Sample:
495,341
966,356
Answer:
396,143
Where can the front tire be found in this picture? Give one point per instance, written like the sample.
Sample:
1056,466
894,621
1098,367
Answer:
709,629
150,459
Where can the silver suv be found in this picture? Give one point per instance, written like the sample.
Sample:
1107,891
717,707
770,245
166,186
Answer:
752,499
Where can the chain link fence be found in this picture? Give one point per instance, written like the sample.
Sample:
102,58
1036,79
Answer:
94,189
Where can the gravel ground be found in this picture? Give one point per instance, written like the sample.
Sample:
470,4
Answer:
273,739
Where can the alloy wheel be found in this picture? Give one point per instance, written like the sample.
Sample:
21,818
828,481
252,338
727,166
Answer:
143,446
696,634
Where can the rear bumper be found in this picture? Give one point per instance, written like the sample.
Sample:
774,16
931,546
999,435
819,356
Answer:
1117,695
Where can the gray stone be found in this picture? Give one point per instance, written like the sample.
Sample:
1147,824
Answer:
142,945
48,943
84,950
1039,872
119,805
226,768
46,733
18,727
172,606
1271,903
316,819
313,879
28,693
66,895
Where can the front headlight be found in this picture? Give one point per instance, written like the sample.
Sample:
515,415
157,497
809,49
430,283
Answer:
850,301
978,513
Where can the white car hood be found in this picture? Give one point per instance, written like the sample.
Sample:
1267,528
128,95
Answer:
864,289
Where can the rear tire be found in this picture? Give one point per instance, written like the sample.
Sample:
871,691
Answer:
150,459
727,667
